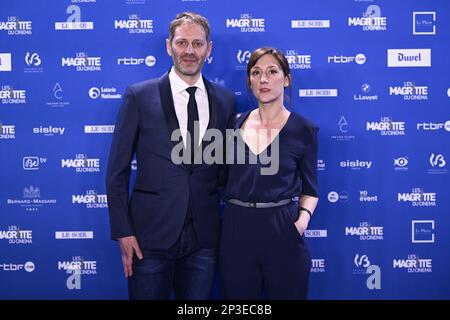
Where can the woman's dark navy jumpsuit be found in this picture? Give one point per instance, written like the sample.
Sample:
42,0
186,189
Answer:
260,247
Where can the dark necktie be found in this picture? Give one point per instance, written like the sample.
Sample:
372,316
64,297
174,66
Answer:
192,117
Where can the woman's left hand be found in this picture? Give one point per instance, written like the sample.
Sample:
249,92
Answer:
302,223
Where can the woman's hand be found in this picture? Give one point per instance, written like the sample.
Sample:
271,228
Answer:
302,222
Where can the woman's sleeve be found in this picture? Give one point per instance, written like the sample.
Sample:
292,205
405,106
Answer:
307,167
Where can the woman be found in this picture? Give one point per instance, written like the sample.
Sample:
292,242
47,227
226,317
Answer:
262,244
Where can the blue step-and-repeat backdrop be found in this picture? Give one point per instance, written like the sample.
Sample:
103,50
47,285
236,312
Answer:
374,75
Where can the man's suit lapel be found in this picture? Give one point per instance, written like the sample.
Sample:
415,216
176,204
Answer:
213,104
168,106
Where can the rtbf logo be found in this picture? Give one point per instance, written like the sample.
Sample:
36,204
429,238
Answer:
27,266
246,23
82,163
434,126
359,59
409,57
149,61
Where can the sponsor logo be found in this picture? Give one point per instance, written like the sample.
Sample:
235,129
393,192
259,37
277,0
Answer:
149,61
307,24
422,231
62,235
73,21
99,129
5,62
418,198
16,27
424,23
358,59
409,57
318,93
246,23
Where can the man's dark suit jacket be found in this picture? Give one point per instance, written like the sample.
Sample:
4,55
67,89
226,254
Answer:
156,210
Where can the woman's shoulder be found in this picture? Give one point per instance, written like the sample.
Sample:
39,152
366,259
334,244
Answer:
302,123
239,118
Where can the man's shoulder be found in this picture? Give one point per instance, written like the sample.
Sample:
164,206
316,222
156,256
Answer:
144,85
220,89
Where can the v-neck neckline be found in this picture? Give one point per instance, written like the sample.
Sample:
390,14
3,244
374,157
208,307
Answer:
276,136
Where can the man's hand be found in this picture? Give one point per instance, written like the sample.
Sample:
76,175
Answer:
128,246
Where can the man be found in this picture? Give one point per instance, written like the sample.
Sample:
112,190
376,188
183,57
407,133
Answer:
168,230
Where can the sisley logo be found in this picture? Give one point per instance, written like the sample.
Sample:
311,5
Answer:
49,131
355,164
409,57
